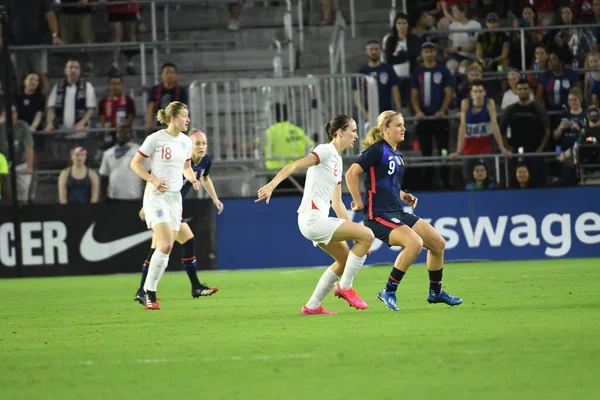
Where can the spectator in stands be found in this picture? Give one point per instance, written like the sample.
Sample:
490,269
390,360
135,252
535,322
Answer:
431,94
594,18
540,65
423,27
161,95
122,21
572,124
529,129
545,11
474,73
522,178
591,78
31,102
388,82
118,181
72,101
462,44
5,189
78,184
235,10
29,29
478,124
76,27
583,10
327,8
446,8
480,178
23,142
554,86
532,38
117,109
511,96
493,47
401,51
284,141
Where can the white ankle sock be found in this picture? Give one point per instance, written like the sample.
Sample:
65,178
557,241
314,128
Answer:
326,283
353,265
158,265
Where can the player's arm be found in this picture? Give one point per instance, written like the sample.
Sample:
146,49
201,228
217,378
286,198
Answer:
190,175
95,187
408,199
462,128
491,106
338,205
62,186
207,183
354,186
137,166
264,193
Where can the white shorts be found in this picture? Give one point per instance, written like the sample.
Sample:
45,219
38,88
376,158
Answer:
23,182
318,227
162,207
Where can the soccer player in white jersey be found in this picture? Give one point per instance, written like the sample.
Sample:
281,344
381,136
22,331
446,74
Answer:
322,189
170,154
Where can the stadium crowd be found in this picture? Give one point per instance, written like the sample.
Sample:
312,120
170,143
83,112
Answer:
421,69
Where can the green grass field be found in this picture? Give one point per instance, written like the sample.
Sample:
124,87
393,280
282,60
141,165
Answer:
526,330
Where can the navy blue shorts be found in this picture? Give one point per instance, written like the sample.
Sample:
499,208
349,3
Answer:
384,224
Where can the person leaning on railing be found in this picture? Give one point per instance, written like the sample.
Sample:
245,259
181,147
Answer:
573,123
161,95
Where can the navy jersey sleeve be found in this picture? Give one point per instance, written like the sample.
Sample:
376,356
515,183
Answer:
395,80
207,167
596,89
447,76
370,157
414,82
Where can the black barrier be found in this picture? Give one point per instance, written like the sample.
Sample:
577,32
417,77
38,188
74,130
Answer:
89,239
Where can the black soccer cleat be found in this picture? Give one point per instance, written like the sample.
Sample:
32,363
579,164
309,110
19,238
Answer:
203,291
139,296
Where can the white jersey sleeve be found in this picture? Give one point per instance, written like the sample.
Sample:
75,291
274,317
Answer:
147,148
322,153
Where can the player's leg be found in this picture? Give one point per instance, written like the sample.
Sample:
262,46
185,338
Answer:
436,245
185,237
396,234
363,239
339,251
139,296
163,231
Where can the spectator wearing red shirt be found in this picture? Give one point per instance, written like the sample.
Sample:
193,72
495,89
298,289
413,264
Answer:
117,109
545,11
122,20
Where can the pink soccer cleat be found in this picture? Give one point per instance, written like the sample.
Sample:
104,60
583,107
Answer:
350,296
320,310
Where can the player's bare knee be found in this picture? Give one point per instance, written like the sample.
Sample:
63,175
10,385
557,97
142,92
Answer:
367,237
415,244
165,247
438,245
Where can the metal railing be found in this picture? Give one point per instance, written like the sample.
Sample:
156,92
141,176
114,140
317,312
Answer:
393,11
236,113
337,46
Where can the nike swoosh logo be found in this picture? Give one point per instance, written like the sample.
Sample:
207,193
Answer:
93,251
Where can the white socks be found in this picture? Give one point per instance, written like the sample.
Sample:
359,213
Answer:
156,269
353,264
325,285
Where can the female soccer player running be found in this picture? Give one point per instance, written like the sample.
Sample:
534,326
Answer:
383,212
170,153
201,163
322,188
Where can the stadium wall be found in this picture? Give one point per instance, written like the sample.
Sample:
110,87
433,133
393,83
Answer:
102,238
483,225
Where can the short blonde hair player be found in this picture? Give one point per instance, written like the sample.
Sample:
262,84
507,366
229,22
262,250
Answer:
170,154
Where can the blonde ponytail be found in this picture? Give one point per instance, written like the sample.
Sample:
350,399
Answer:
172,110
376,134
161,117
373,136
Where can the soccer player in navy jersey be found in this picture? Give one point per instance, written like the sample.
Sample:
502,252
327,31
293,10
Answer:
383,166
201,163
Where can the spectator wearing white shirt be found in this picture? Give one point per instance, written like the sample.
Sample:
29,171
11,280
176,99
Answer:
511,97
462,44
118,181
72,101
